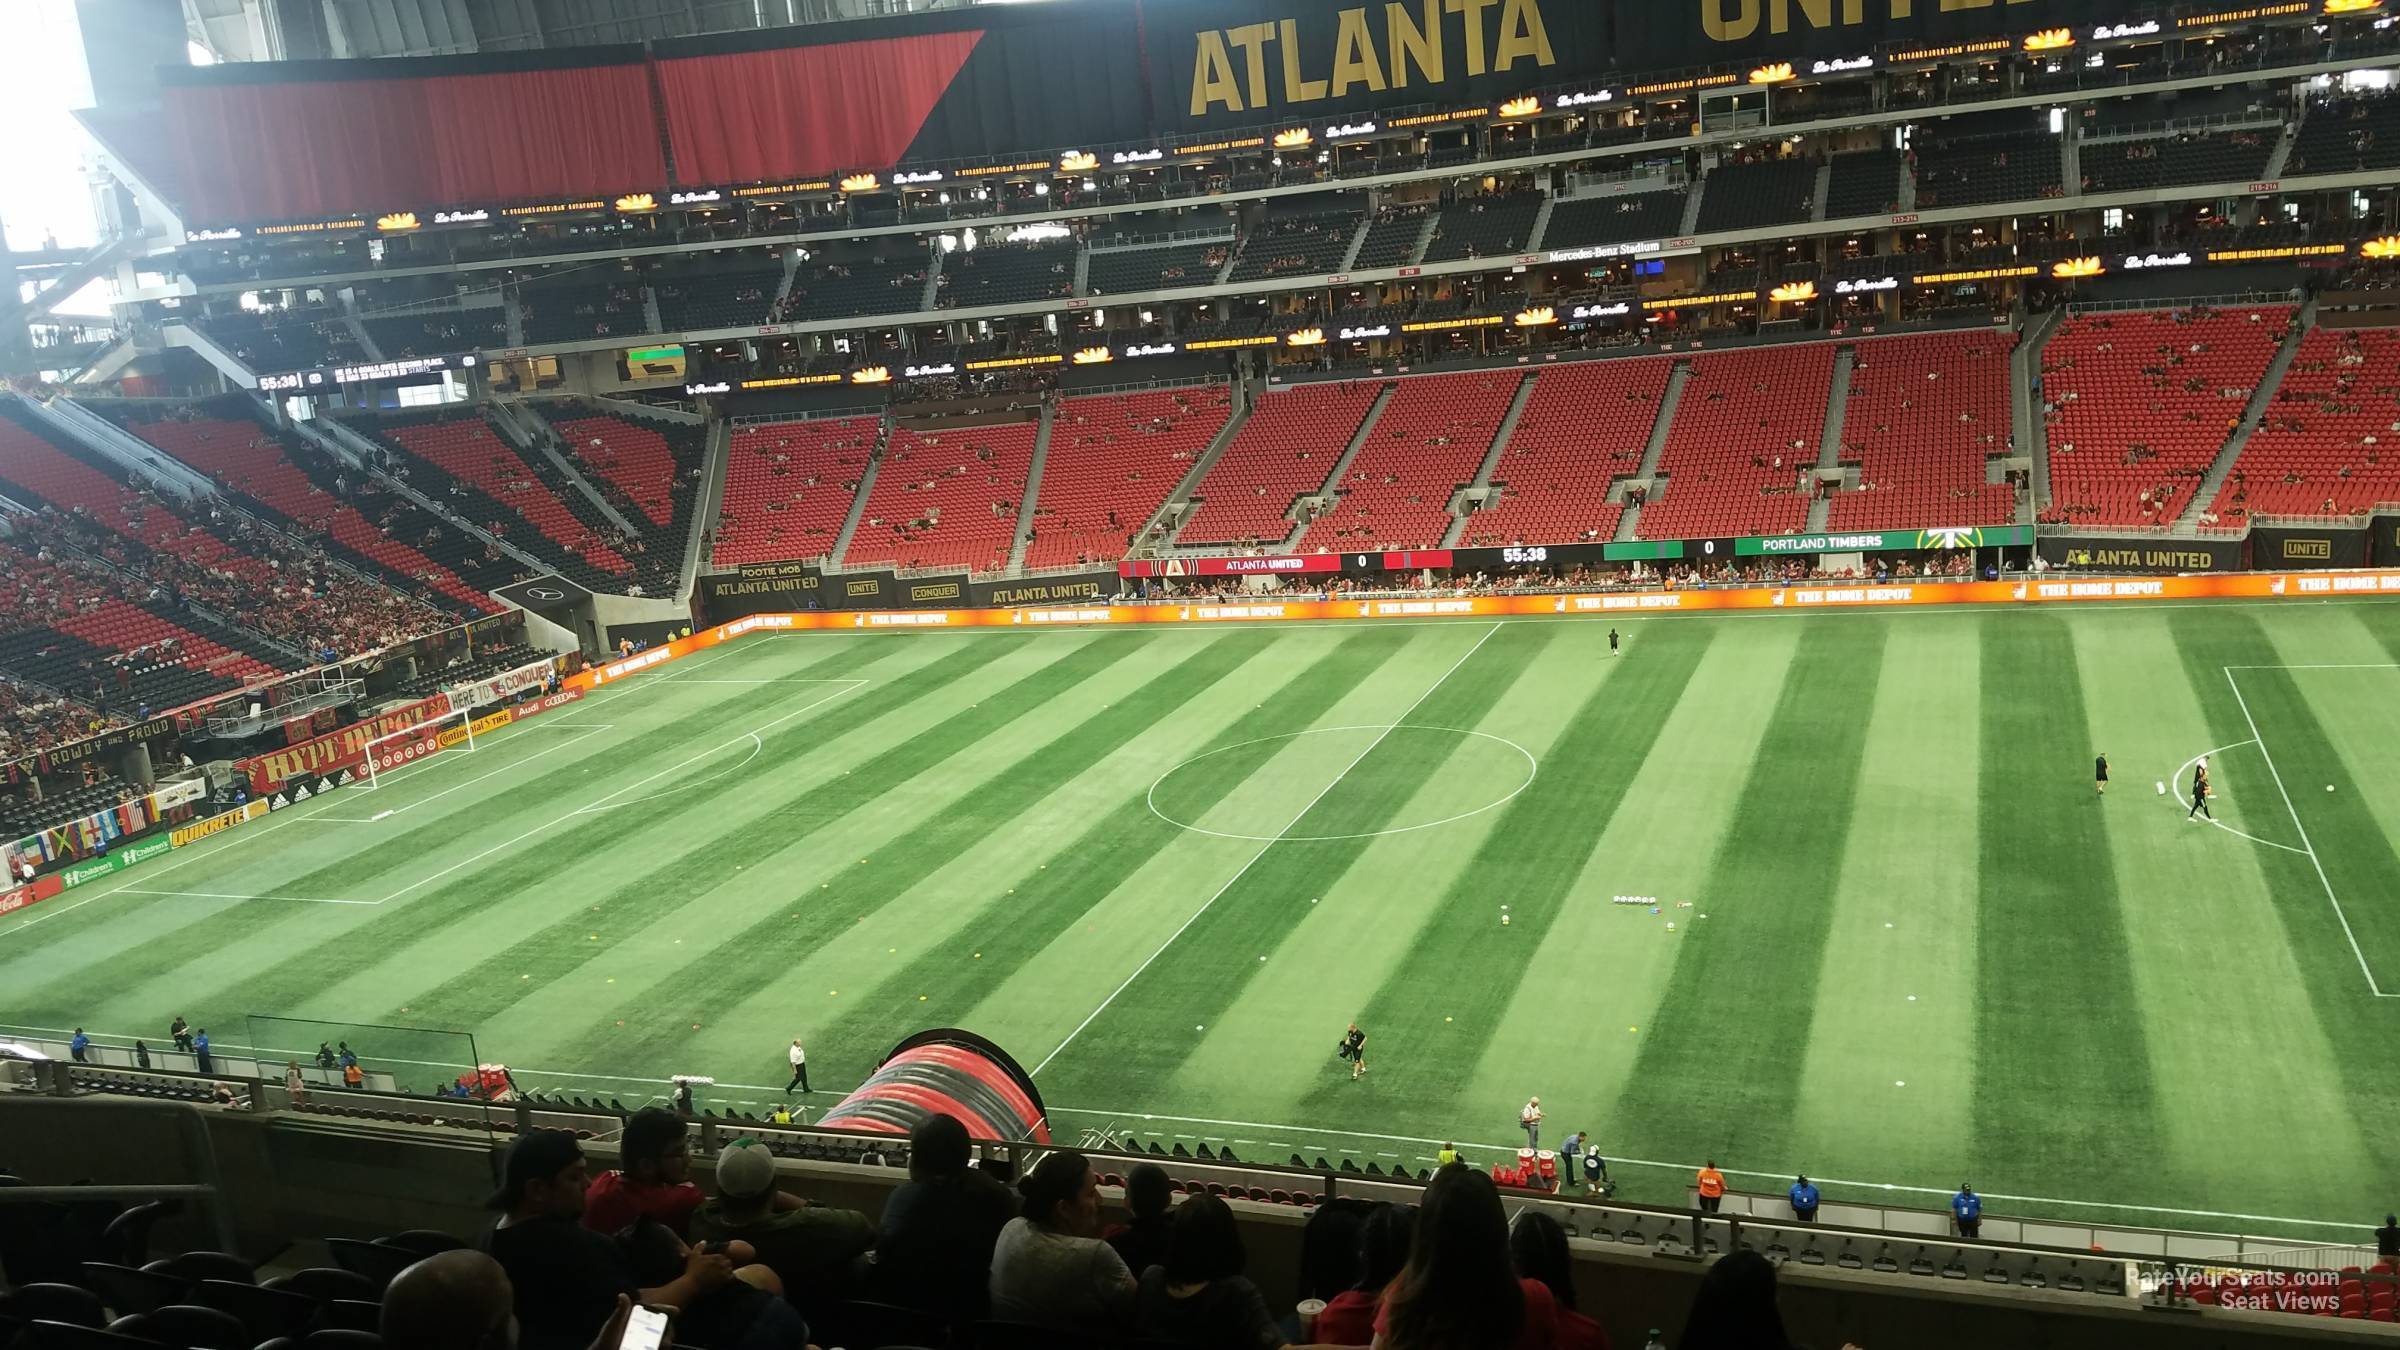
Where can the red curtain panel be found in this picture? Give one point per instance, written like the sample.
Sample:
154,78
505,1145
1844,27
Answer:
792,111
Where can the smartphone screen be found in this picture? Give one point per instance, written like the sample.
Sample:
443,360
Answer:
645,1329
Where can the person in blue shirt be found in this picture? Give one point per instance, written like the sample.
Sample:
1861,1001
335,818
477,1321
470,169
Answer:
1804,1201
1967,1208
200,1048
80,1044
1568,1153
348,1056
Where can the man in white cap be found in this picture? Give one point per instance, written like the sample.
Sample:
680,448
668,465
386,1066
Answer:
810,1247
1531,1119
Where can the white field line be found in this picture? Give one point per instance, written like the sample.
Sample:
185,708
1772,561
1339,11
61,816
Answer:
1263,849
294,817
1301,1134
2308,846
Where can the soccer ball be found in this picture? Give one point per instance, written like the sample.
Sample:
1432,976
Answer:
1504,921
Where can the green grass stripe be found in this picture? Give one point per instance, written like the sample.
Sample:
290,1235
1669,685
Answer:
1723,1062
2359,1030
989,813
210,927
754,955
533,867
1141,1038
962,970
2062,1069
1895,996
2179,878
1530,859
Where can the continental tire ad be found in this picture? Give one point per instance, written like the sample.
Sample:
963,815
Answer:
2281,546
2074,553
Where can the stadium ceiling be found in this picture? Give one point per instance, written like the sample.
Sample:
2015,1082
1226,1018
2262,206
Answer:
306,30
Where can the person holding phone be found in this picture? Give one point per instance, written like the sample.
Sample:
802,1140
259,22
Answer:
568,1280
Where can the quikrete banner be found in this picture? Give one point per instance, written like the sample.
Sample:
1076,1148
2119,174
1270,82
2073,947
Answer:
1665,34
2140,555
2307,546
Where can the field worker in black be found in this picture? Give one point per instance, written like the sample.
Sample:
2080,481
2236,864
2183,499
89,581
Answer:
1354,1049
2200,793
2100,773
1612,642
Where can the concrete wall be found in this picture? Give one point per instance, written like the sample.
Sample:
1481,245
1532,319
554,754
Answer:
291,1179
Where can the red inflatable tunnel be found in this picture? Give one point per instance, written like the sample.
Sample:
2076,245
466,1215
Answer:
947,1071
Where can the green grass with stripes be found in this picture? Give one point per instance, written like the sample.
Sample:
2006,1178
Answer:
1900,941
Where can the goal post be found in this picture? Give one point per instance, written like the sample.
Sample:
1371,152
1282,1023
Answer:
452,732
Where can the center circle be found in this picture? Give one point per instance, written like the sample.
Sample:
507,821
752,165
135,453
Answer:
1506,766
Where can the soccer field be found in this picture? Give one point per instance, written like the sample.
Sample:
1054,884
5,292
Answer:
1899,942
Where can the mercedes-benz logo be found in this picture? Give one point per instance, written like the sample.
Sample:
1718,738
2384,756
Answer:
544,593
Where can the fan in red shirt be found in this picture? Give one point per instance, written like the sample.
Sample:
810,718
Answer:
656,1180
1458,1290
1539,1246
1349,1316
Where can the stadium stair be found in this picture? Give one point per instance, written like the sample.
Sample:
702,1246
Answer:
1327,499
1113,458
866,489
1462,503
1578,441
1033,483
2261,400
1273,463
1176,510
2025,402
1668,404
1822,192
1829,452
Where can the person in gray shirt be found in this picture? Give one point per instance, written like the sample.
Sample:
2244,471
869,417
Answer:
1050,1267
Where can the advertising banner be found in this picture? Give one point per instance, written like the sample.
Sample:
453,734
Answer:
31,893
217,824
1245,63
180,793
1665,34
1565,555
494,688
76,752
1305,565
761,588
1072,589
2307,546
84,873
343,749
2140,555
1881,541
2384,541
546,703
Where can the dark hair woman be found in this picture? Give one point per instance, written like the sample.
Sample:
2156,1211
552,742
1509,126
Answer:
1349,1316
1538,1244
1200,1296
1458,1290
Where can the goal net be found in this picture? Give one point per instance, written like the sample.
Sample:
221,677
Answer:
451,733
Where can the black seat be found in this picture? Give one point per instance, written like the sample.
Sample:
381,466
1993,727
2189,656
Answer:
126,1290
373,1260
327,1283
864,1325
1025,1336
126,1240
423,1242
54,1303
353,1314
342,1340
187,1325
67,1336
198,1266
265,1313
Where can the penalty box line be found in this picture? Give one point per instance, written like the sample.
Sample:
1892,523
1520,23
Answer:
2308,846
603,802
